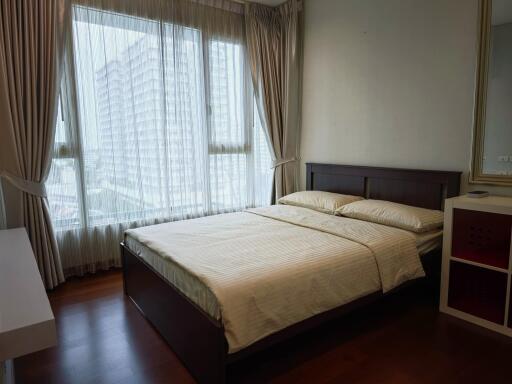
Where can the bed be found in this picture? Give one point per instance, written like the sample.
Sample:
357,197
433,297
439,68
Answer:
215,313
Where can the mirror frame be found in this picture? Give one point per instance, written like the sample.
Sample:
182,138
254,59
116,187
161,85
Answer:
484,33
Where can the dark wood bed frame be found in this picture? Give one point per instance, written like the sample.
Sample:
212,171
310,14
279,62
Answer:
199,340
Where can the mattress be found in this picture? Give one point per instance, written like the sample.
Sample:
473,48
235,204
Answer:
428,241
262,270
187,283
201,295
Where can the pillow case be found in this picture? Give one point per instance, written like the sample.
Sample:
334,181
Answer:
402,216
326,202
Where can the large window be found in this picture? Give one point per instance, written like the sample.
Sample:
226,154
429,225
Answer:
156,122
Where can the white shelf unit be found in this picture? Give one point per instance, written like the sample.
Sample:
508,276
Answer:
476,283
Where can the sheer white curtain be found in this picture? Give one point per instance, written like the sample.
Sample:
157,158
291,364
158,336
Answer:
156,123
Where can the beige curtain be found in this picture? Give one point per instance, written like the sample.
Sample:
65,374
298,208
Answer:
274,40
31,34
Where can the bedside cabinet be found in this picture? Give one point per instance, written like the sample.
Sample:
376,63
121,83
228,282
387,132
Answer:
477,262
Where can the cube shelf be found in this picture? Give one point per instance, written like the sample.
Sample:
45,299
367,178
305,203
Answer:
478,291
476,278
481,237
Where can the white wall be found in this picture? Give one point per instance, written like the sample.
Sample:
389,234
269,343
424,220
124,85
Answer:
390,83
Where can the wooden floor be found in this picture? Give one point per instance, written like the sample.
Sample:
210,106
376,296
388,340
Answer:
104,339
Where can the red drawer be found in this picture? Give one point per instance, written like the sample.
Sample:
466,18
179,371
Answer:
478,291
481,237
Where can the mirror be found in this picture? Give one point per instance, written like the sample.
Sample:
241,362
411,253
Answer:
492,142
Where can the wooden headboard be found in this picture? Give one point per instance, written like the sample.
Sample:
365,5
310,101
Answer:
420,188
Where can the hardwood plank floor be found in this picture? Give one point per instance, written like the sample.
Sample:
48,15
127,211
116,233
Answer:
403,339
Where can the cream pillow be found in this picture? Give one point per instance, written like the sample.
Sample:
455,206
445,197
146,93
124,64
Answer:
393,214
326,202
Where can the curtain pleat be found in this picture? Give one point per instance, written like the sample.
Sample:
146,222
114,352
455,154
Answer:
31,41
274,39
42,238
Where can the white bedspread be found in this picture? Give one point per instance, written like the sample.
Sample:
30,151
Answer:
272,267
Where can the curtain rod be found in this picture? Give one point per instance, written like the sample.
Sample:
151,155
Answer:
243,2
250,1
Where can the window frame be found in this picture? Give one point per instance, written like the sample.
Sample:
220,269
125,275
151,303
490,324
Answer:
71,147
246,147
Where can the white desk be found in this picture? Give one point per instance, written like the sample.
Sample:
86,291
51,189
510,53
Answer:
26,320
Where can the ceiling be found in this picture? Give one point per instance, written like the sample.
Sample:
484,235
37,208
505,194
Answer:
501,12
